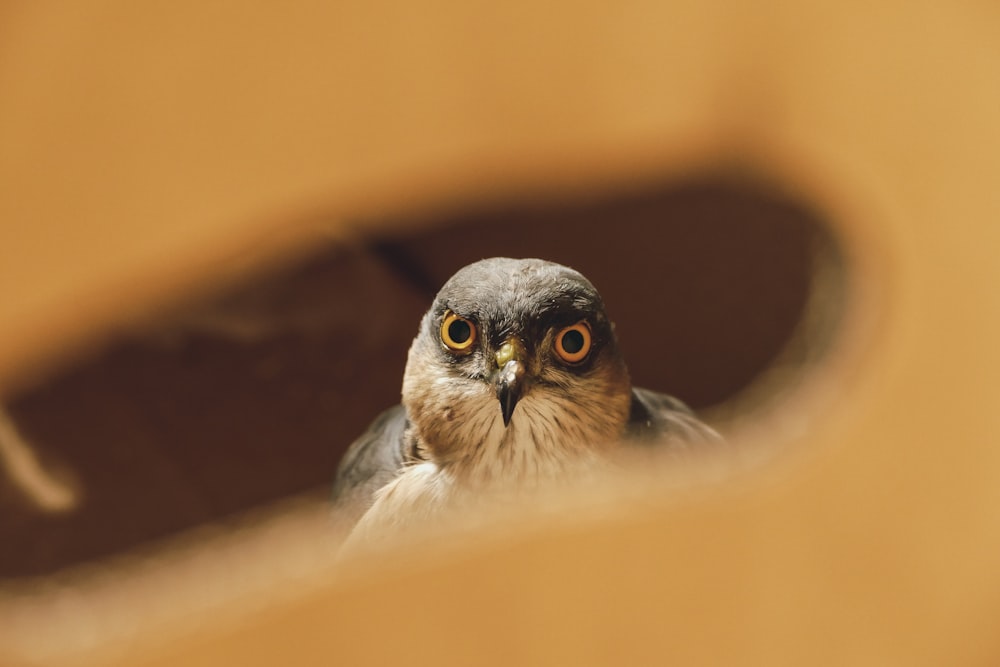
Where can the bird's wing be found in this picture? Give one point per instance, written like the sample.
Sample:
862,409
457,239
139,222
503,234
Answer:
371,462
661,419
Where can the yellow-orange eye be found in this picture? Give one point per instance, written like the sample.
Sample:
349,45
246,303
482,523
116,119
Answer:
573,343
457,333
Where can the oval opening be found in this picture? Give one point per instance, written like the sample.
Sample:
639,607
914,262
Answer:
717,287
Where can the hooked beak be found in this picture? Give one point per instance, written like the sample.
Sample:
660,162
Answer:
511,382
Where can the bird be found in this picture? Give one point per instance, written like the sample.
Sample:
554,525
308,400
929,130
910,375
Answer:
514,380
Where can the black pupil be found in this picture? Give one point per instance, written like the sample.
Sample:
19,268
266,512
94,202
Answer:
459,331
572,341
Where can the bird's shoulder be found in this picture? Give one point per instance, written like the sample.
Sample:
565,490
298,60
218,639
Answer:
371,462
657,418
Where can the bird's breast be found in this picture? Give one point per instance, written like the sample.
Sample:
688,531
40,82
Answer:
545,438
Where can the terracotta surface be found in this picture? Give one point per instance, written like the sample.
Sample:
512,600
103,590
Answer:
151,153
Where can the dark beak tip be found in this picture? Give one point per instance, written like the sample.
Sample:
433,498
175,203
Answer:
508,401
509,388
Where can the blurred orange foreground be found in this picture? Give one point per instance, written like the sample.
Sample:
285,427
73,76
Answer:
150,151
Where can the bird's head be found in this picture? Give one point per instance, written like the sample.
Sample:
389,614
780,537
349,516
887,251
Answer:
515,354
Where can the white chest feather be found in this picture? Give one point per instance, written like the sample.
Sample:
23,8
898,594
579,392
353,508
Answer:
546,437
544,443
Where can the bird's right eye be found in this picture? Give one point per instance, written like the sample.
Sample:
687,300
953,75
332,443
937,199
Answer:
457,333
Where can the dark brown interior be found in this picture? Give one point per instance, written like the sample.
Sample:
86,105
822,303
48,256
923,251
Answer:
247,398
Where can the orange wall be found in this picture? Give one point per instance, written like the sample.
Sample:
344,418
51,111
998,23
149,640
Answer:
148,151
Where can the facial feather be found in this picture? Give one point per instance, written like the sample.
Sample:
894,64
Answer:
567,415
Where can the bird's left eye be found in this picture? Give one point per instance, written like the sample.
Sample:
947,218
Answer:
573,343
457,333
